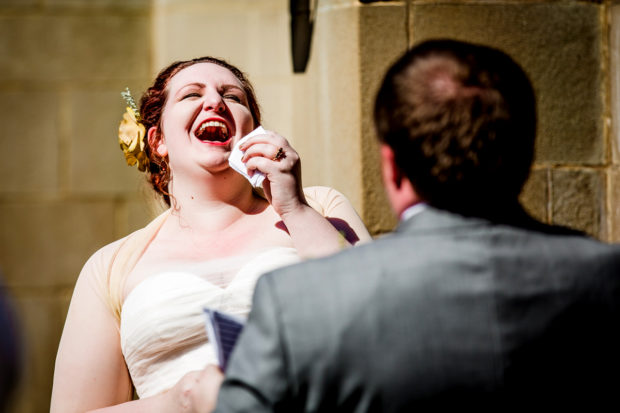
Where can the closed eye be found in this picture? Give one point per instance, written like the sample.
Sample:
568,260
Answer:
191,95
233,98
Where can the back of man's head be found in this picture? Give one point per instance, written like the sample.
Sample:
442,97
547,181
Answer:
461,119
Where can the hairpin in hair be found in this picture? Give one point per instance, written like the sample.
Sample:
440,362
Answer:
126,94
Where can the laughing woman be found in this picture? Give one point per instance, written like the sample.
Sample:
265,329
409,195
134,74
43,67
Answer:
135,322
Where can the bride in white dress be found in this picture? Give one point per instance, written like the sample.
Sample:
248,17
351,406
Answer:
135,322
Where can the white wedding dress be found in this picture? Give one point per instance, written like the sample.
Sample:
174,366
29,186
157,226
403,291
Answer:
162,326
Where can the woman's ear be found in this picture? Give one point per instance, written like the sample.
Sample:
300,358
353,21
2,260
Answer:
156,141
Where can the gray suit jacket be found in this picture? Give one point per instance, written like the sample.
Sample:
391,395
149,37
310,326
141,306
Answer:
447,311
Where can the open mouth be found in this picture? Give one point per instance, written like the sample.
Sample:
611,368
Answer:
213,131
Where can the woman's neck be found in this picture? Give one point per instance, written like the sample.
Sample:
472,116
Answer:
214,204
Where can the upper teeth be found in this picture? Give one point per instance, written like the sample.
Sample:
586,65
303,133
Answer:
213,123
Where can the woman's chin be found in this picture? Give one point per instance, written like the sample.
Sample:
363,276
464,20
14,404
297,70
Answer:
219,168
215,161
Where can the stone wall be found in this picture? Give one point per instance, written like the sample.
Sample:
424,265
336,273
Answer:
563,47
567,48
66,190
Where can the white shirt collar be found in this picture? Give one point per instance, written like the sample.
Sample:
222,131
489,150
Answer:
414,209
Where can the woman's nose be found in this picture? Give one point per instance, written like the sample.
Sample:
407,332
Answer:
214,102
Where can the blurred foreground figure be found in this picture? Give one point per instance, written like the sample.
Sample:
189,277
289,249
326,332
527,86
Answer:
470,302
9,350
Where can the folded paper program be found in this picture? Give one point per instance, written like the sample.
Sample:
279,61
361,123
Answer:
235,160
223,331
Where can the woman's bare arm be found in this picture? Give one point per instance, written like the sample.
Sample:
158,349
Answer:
90,370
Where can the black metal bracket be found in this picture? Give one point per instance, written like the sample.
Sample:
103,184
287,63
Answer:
302,23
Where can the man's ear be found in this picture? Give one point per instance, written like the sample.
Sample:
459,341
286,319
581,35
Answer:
398,187
156,141
392,175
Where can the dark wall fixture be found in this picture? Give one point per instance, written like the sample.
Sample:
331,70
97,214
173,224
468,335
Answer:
302,23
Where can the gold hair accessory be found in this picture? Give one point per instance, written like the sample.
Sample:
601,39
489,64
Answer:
132,134
279,155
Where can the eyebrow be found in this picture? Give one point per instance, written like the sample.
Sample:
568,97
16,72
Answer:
231,86
193,84
224,87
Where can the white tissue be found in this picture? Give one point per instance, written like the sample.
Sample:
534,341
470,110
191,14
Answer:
235,160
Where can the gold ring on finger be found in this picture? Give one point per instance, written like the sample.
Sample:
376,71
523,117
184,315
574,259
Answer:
279,155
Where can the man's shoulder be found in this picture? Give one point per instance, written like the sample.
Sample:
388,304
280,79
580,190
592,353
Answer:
435,239
353,270
436,222
540,238
339,263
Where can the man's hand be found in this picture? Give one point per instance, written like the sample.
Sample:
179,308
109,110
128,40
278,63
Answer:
197,391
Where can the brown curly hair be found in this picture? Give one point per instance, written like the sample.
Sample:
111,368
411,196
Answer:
151,109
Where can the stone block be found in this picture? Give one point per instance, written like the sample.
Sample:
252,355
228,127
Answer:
97,165
41,318
578,200
559,44
47,243
98,4
269,44
614,202
184,34
150,203
256,34
328,4
134,214
383,39
238,5
535,194
335,62
19,4
614,73
305,125
29,141
275,97
77,47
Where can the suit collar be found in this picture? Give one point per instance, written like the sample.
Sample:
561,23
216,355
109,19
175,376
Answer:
433,219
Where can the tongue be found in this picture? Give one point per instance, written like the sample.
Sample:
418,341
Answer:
213,133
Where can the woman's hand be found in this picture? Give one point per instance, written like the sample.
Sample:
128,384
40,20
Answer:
312,234
272,154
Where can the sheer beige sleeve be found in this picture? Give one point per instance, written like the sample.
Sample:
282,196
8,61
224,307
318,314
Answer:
90,369
124,260
334,206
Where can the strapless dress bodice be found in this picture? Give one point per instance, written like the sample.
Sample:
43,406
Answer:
162,325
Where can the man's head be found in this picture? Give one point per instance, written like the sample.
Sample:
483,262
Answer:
459,121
